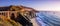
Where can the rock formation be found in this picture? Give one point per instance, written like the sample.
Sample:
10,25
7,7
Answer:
26,12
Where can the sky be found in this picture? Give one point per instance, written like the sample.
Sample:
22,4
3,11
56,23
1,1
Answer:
44,5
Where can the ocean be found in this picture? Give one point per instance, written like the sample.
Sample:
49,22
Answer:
48,18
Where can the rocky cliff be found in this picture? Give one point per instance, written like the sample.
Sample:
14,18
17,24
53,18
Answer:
25,11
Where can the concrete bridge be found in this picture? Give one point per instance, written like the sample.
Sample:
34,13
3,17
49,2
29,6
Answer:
8,14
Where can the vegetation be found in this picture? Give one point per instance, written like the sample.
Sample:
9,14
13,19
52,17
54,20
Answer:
4,21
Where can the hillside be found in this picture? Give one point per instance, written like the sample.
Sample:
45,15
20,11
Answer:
23,10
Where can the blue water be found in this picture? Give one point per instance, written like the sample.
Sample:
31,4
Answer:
46,18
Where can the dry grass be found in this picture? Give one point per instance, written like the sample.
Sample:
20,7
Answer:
4,21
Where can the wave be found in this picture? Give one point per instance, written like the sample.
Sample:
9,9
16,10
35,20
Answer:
48,18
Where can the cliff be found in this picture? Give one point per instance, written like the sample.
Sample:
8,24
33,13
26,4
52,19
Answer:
25,11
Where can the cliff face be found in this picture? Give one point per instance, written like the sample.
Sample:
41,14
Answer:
23,10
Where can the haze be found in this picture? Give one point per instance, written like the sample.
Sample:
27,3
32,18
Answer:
40,5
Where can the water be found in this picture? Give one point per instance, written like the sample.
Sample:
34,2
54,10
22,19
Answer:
48,18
